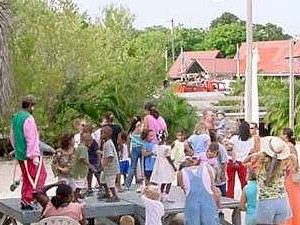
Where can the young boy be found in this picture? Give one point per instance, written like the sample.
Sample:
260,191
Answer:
110,165
81,164
221,125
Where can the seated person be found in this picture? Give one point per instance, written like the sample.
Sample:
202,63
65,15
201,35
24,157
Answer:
61,204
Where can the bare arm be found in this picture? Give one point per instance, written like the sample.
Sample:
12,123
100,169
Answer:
243,200
41,194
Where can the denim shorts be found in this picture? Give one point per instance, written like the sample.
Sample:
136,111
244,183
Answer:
273,211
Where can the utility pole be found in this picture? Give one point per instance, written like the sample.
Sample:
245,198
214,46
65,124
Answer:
292,86
248,86
172,40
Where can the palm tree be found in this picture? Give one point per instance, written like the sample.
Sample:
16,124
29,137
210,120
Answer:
5,89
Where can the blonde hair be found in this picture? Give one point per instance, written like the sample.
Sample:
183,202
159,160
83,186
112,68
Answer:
200,128
151,191
126,220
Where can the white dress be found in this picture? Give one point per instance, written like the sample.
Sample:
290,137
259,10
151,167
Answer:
163,172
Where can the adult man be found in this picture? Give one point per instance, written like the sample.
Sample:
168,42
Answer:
25,141
209,119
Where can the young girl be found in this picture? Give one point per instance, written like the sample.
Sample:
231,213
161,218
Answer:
124,157
163,172
61,204
148,154
136,145
64,158
154,208
249,198
201,195
177,153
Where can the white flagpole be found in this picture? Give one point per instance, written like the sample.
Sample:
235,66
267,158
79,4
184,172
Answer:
255,101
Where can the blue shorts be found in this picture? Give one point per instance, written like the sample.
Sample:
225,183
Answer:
273,211
124,166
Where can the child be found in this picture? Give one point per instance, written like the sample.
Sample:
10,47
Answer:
124,157
177,153
61,204
154,208
63,159
249,198
136,145
210,157
163,172
81,164
110,165
221,125
148,153
127,220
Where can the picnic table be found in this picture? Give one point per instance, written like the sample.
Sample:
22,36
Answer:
130,204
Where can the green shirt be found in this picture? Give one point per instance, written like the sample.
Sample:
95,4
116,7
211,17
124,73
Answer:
19,144
80,168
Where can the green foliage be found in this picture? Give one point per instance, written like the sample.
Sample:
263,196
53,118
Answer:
225,38
225,19
178,114
269,32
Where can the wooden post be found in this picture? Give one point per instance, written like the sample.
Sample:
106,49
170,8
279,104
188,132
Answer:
291,87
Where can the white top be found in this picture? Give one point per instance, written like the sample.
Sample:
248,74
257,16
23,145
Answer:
96,136
124,153
163,172
154,211
241,149
77,139
205,178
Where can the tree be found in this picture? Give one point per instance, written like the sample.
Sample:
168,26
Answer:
5,90
225,38
225,19
269,32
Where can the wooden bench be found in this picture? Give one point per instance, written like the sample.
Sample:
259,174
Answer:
130,204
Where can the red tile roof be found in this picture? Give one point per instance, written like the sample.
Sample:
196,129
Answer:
208,60
273,60
273,57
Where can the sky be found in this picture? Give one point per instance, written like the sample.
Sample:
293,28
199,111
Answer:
199,13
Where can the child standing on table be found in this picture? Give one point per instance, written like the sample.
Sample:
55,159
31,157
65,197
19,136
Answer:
249,198
124,155
110,165
163,172
148,154
154,208
177,153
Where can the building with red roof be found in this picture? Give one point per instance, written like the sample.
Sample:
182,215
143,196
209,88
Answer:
273,61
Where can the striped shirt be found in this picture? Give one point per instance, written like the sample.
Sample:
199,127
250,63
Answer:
136,141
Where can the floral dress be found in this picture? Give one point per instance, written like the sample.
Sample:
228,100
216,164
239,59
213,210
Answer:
62,164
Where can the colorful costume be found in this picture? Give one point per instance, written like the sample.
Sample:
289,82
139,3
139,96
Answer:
25,141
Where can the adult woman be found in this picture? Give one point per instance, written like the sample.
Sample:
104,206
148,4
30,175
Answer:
63,159
274,159
292,181
201,196
153,121
242,144
61,204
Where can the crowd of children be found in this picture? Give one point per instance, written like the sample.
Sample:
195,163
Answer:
206,164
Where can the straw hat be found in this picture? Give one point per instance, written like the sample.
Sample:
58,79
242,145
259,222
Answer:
275,147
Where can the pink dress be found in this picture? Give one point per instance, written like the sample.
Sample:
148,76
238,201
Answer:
155,125
72,210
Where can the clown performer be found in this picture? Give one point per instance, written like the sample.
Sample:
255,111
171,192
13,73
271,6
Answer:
25,141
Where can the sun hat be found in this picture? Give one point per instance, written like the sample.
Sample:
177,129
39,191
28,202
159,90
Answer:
275,147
